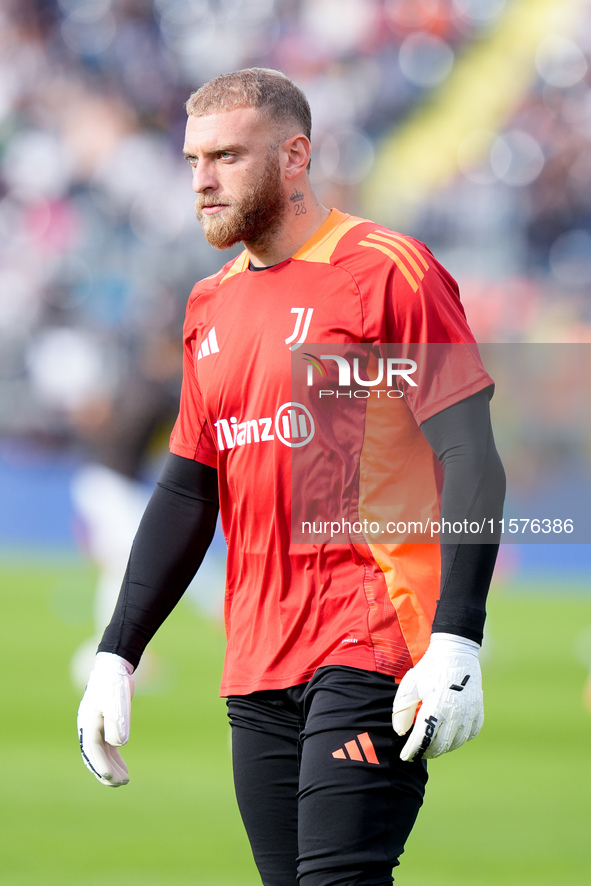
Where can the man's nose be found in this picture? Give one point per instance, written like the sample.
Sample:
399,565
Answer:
204,178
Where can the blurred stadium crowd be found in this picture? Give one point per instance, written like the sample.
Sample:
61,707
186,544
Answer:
99,247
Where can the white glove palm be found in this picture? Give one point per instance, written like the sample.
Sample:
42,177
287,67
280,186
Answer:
104,718
448,682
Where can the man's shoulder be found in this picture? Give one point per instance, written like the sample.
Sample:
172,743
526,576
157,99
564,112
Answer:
213,282
376,242
372,253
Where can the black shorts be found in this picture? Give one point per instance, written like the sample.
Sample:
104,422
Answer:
324,796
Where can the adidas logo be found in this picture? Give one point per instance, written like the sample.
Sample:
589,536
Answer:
360,749
209,345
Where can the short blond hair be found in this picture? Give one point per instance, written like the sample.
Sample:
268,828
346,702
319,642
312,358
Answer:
263,88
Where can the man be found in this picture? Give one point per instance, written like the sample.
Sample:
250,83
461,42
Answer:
320,636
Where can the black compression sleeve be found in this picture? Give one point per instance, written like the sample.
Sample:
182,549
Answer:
473,490
174,534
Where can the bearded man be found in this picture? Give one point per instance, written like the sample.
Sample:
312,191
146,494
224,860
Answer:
329,645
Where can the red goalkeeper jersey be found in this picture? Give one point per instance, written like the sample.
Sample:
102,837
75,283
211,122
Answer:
292,608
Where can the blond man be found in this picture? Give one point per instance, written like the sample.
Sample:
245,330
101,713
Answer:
322,638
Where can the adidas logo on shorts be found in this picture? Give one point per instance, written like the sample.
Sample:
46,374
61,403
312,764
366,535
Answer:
360,749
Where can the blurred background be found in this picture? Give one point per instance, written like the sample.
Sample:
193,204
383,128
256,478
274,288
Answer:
464,123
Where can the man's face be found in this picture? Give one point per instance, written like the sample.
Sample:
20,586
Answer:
236,176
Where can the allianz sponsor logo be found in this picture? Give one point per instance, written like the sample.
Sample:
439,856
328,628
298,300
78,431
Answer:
292,425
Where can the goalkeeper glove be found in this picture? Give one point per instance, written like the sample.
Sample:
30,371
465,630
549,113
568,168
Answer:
104,718
448,683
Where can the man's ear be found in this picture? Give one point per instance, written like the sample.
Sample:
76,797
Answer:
296,156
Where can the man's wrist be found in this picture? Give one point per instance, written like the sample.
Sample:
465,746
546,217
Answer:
441,639
110,661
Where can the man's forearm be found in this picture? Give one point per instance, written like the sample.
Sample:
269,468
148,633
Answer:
173,537
473,490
